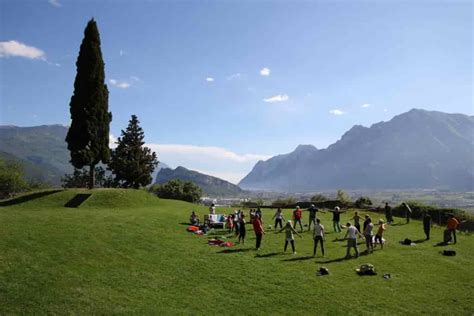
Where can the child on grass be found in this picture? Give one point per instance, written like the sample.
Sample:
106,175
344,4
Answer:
379,235
289,230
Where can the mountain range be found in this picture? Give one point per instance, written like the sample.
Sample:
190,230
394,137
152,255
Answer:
41,150
210,185
418,149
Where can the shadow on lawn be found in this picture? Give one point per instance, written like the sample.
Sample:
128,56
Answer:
299,258
271,254
28,197
235,250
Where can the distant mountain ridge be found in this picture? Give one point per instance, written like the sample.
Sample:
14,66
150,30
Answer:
42,150
210,185
416,149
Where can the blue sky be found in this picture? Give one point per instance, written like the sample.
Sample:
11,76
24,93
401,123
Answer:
218,85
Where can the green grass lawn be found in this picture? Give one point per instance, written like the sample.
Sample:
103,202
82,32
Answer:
128,252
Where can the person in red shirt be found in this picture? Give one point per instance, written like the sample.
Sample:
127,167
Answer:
258,229
452,225
297,214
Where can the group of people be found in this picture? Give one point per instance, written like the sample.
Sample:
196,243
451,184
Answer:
236,222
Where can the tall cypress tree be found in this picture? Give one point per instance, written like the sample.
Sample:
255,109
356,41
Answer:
131,162
88,135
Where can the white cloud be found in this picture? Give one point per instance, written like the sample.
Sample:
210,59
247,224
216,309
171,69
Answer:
210,79
265,72
135,78
119,84
337,112
17,49
234,76
207,151
385,110
277,98
121,52
366,105
55,3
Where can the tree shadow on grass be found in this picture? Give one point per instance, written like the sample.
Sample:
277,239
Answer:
299,258
235,250
267,255
28,197
441,244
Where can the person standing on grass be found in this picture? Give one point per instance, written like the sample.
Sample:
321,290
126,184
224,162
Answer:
312,216
336,217
289,230
297,214
318,236
357,219
427,224
351,236
212,209
278,218
368,235
258,229
230,222
258,213
242,229
388,213
408,212
379,235
452,225
365,222
237,215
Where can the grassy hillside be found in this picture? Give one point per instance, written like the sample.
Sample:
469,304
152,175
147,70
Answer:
125,251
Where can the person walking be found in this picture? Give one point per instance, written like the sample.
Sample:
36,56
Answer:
258,229
278,218
427,224
242,229
289,230
452,225
336,217
297,214
318,236
368,235
356,219
408,211
351,236
388,213
379,235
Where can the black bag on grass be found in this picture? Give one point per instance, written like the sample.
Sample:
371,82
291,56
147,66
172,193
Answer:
449,252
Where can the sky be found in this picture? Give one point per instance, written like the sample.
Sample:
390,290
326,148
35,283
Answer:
219,85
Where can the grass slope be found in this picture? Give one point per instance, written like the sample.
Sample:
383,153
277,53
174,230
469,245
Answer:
128,252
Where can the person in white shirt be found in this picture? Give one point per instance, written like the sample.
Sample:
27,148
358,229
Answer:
351,236
278,218
318,236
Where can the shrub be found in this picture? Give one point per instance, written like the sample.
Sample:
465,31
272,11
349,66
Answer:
178,190
11,179
363,201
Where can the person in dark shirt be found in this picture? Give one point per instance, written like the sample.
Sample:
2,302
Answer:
388,213
336,218
427,224
312,215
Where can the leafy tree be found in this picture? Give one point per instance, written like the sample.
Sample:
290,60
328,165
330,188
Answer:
318,198
131,162
80,179
342,196
284,202
11,179
88,135
178,190
363,201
